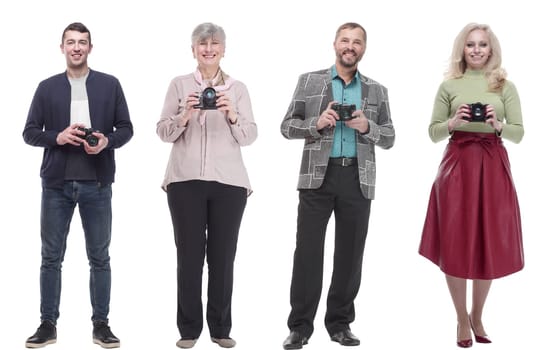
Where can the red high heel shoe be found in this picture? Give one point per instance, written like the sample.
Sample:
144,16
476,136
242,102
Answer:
479,338
466,343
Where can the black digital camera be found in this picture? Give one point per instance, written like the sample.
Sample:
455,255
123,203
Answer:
344,111
207,99
91,139
477,111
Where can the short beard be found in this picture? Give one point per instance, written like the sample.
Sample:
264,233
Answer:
346,64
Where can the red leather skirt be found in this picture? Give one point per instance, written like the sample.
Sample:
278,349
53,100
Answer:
472,228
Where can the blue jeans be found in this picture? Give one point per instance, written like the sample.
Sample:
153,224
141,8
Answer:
94,204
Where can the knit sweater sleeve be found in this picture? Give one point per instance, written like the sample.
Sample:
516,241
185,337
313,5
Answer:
438,127
513,129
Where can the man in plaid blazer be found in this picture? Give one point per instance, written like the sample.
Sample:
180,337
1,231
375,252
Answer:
341,115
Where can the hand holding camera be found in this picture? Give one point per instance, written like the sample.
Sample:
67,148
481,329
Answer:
75,133
344,111
210,99
87,135
464,115
207,99
477,112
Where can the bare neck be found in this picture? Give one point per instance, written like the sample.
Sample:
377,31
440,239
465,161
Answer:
209,73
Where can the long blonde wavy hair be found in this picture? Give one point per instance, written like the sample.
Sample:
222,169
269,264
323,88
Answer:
495,74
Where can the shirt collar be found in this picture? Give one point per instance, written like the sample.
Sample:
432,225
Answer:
334,74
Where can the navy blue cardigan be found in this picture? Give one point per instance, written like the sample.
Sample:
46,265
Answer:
49,114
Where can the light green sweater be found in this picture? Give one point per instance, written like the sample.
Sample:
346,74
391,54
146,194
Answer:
471,88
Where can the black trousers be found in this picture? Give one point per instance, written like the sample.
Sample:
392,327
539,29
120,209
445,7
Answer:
206,218
340,192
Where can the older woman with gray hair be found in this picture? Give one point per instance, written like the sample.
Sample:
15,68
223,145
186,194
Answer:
207,116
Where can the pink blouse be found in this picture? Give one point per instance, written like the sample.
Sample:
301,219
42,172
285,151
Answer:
208,147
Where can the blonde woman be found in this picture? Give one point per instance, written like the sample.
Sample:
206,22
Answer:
472,229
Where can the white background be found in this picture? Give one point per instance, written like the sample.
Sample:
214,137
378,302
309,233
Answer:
403,302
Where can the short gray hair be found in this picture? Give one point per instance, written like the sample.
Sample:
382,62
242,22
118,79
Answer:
208,30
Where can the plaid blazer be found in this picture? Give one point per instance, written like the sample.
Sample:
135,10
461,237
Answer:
311,97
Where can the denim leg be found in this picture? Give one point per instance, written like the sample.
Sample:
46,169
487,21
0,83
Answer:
94,202
56,213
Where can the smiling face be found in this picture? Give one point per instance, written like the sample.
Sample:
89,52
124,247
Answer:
76,47
477,49
208,52
349,47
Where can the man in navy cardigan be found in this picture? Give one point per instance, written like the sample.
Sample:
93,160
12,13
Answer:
79,117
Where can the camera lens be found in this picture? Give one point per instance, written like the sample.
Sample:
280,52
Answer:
209,98
477,111
92,140
209,93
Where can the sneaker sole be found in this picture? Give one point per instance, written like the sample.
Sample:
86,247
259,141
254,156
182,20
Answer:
41,345
106,345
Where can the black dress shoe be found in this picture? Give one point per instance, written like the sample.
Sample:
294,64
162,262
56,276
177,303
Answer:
295,340
103,336
45,334
345,338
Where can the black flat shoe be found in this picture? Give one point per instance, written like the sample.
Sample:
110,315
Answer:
45,334
345,338
295,340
